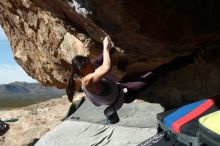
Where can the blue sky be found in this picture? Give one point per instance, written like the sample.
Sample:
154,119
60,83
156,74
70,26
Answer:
10,71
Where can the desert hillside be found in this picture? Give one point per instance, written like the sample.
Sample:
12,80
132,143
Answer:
28,90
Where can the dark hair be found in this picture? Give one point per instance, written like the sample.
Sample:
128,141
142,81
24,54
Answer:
71,86
77,63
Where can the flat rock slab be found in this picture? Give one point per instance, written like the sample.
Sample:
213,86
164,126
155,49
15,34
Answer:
88,126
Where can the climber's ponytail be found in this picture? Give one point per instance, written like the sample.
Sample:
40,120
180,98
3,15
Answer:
71,86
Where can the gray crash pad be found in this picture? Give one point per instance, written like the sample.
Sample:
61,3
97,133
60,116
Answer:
136,114
88,127
75,133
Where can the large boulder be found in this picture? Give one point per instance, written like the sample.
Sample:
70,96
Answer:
46,35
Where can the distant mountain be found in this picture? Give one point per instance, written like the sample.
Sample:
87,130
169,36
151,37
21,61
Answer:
29,90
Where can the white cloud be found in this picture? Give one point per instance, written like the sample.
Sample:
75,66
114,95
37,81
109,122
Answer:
2,34
12,73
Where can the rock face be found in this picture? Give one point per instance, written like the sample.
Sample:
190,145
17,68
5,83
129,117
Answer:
40,41
46,35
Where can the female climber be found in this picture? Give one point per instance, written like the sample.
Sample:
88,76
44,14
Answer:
103,88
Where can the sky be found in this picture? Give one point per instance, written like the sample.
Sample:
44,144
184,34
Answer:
10,71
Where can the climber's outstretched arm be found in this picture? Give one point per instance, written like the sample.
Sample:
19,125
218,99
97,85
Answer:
95,77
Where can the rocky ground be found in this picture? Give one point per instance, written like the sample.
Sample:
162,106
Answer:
34,121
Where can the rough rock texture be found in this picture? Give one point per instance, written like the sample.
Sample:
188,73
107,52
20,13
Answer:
46,35
40,41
